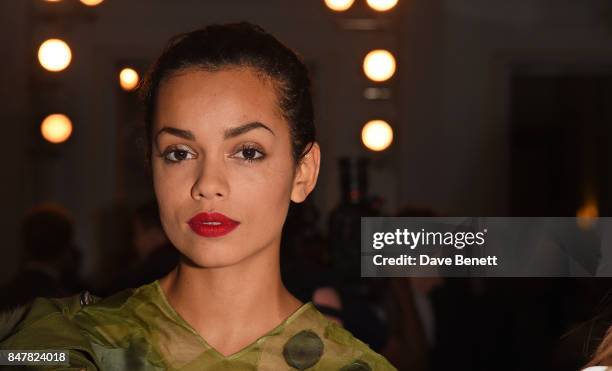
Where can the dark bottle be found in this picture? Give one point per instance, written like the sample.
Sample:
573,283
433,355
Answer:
345,219
359,314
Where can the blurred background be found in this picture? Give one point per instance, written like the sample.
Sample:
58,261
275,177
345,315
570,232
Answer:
423,108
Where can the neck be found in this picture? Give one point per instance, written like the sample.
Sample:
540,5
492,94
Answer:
232,306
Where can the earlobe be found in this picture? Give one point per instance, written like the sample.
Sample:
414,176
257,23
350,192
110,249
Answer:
307,174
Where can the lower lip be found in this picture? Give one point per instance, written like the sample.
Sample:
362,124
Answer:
210,230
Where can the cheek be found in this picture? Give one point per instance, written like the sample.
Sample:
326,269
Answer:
264,198
171,189
268,185
170,180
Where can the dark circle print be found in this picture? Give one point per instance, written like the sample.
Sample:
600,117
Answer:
303,350
357,366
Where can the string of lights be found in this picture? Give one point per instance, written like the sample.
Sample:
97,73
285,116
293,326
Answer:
55,55
379,66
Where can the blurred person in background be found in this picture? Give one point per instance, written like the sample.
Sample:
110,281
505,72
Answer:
154,253
428,317
50,262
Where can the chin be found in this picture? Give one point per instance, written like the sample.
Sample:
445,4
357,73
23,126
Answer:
207,257
204,259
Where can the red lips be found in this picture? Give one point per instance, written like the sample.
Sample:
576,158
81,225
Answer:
212,224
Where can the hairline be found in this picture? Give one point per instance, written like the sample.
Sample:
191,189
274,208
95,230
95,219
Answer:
277,84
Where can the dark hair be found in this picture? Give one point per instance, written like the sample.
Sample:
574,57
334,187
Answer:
238,45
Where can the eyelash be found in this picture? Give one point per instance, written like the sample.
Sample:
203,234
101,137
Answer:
174,150
251,147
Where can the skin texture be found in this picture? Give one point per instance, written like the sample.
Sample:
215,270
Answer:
227,288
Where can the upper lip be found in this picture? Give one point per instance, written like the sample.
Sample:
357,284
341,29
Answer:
205,217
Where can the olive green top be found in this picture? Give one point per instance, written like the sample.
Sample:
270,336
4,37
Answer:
137,329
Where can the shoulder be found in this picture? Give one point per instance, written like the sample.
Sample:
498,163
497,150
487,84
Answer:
40,313
46,323
56,323
10,318
340,350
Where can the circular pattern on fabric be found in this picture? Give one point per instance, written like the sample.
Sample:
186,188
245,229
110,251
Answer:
357,366
303,350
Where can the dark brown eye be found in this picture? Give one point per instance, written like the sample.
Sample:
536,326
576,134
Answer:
249,154
178,155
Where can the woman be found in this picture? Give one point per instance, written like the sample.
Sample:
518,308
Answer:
231,139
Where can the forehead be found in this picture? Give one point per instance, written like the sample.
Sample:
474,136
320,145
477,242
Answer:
229,96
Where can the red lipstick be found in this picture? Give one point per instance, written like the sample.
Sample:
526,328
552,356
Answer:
212,224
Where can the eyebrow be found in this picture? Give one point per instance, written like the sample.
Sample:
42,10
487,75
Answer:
239,130
229,133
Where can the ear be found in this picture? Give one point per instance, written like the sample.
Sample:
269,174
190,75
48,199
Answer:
306,174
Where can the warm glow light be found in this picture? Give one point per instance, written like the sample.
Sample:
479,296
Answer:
377,135
128,79
379,65
339,5
382,5
56,128
587,213
91,2
54,55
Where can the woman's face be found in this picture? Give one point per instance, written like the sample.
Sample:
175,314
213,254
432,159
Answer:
221,145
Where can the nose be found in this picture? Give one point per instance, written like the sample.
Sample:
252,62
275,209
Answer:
211,181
